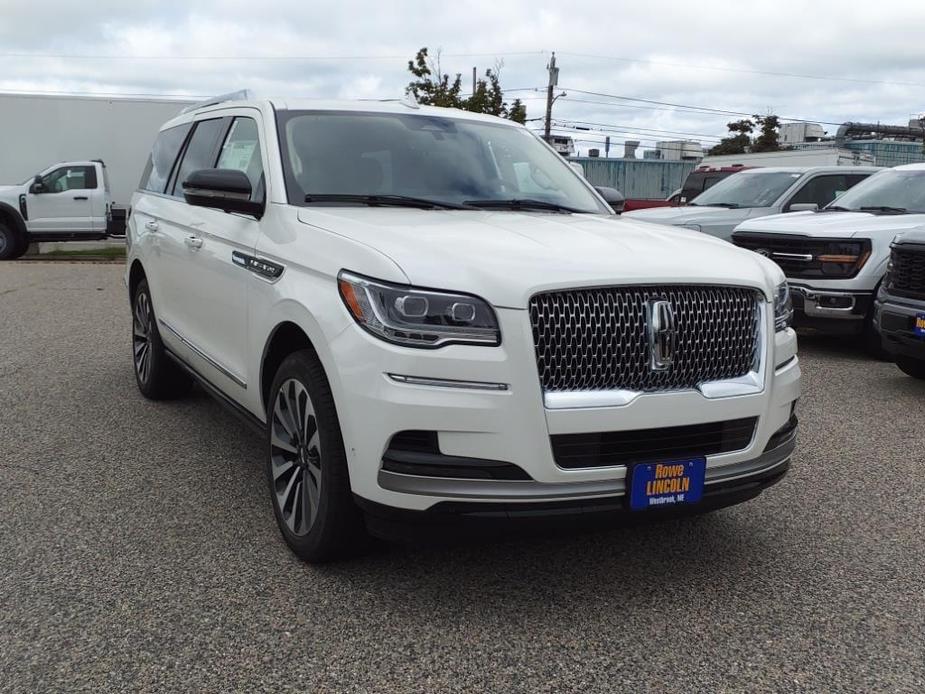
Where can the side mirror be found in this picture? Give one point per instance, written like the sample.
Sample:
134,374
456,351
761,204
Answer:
612,197
803,207
37,185
228,190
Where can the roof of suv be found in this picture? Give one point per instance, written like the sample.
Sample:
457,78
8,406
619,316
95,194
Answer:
339,105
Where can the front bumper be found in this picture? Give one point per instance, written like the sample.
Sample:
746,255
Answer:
512,426
830,310
894,318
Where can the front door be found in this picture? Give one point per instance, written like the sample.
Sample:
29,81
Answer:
63,202
210,287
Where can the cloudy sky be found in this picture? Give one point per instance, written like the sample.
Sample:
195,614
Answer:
822,61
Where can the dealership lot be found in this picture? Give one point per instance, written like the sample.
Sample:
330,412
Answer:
138,550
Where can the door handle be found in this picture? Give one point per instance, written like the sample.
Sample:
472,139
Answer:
194,241
151,226
81,197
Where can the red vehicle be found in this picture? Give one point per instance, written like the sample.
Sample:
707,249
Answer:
697,181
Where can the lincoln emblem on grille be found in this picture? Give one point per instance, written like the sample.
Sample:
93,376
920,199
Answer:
660,324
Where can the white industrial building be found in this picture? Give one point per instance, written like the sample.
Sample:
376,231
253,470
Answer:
37,130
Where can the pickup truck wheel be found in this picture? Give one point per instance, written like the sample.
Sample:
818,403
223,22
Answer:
307,465
912,367
158,377
11,246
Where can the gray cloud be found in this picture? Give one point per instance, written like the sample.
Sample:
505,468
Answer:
820,38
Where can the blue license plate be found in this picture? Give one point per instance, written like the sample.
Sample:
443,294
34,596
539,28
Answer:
656,485
918,325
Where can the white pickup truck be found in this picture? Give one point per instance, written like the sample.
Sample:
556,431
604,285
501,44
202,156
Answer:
65,202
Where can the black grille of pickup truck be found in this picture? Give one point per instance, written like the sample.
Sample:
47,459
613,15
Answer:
796,255
908,274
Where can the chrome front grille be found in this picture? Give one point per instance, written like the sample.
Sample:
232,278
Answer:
597,339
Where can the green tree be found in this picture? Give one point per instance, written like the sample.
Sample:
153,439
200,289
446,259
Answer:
433,87
767,140
739,139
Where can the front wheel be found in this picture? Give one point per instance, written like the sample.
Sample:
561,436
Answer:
911,366
307,465
11,246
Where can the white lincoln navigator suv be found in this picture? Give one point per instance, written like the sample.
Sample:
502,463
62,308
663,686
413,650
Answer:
436,321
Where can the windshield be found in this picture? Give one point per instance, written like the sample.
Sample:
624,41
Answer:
448,160
902,190
748,189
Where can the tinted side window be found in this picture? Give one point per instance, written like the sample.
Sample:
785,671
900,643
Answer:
163,155
200,152
241,151
821,190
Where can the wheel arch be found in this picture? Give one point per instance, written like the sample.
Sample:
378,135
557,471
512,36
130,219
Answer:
285,338
135,275
11,216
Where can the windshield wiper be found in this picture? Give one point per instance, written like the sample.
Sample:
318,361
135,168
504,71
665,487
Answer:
886,209
728,205
835,208
522,204
391,200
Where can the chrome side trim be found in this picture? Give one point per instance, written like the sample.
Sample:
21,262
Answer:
205,357
448,383
516,490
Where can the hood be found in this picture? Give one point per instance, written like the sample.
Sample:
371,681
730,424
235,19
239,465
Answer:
834,224
506,257
678,216
10,190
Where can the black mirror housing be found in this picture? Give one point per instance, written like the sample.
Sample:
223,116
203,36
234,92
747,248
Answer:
612,197
37,185
228,190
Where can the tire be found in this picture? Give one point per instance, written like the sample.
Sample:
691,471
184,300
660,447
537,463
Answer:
11,245
871,340
307,466
157,375
911,366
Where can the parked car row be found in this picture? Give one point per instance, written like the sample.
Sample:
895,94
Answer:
832,232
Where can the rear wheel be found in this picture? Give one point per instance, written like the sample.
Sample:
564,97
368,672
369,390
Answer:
157,375
911,366
307,465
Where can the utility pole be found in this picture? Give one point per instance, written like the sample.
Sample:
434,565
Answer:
473,80
553,81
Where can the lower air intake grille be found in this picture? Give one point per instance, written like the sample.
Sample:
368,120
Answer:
604,449
596,339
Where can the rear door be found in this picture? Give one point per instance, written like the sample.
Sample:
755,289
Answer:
63,203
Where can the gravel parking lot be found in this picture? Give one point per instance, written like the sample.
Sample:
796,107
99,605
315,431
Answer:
138,550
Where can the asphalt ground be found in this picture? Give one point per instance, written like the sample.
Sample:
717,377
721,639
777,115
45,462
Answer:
138,550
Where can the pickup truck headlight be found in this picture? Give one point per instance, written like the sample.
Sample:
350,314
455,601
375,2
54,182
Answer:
783,307
418,317
843,258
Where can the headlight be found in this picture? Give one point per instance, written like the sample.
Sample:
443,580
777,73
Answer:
783,307
843,258
418,317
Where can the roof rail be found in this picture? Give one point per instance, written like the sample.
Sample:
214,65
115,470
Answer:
240,95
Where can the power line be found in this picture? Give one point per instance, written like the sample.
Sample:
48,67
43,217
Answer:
122,58
632,128
827,78
704,109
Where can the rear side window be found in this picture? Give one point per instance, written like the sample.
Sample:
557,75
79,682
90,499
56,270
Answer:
200,152
241,151
163,155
